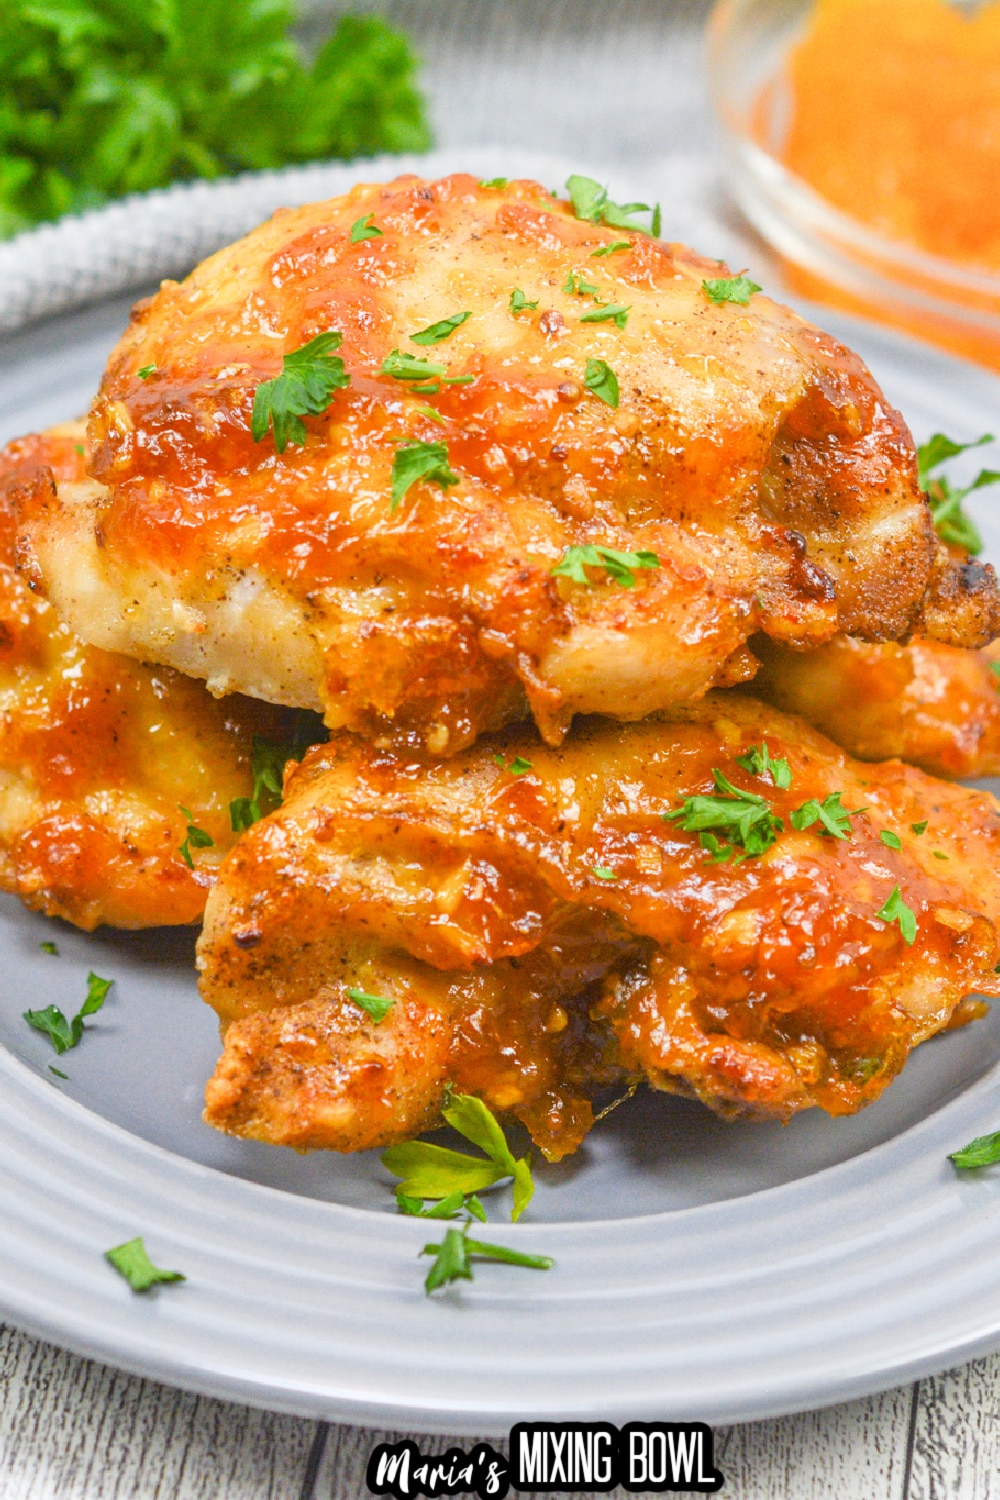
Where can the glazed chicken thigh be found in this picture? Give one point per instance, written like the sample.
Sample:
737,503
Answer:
717,900
555,474
104,761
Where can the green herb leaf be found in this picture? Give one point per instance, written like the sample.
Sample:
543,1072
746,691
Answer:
891,840
435,416
619,566
377,1006
603,873
738,289
452,1255
430,1171
410,366
494,182
145,372
58,1072
834,819
601,381
363,229
759,761
984,1151
49,947
196,838
517,767
938,449
733,825
131,1261
310,376
102,99
438,331
52,1023
426,461
591,202
896,910
519,302
951,522
267,764
611,249
577,286
919,828
614,312
938,855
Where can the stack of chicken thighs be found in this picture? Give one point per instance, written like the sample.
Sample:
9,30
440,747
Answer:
568,574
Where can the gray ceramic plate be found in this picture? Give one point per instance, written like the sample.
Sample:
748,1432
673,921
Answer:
703,1270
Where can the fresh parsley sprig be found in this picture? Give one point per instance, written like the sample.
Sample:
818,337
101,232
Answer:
601,381
896,910
619,566
65,1034
442,330
436,1172
731,825
984,1151
759,761
363,229
195,838
132,1261
738,289
951,522
834,819
454,1254
309,377
426,461
591,202
267,764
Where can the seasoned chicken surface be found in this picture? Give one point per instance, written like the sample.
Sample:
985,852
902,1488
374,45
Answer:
933,705
99,756
748,464
544,922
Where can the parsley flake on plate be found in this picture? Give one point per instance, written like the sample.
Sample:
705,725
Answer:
619,566
195,838
896,910
437,1172
731,825
49,947
833,819
759,761
612,312
952,524
446,1208
984,1151
738,289
426,461
59,1072
377,1006
519,302
131,1261
309,377
602,382
363,229
267,764
65,1034
453,1255
438,331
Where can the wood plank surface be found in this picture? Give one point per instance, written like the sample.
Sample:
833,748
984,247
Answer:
956,1437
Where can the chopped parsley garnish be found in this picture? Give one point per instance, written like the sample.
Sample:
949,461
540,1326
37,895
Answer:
619,566
732,825
834,819
453,1255
614,312
984,1151
938,855
436,1172
196,838
517,767
591,202
363,229
438,331
131,1261
65,1034
59,1072
918,828
377,1006
494,182
610,249
519,302
49,947
576,285
410,367
738,289
759,761
994,667
951,522
79,449
267,764
891,840
426,461
601,381
603,873
448,1208
435,416
143,374
309,377
896,910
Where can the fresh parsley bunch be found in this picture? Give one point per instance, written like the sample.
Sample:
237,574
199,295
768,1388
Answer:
104,97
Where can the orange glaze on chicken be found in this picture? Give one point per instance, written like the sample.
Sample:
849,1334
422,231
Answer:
543,930
754,455
97,752
936,706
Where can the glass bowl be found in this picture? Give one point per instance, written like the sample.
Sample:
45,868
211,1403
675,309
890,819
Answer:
827,254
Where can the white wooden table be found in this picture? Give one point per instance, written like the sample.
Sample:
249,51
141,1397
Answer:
615,81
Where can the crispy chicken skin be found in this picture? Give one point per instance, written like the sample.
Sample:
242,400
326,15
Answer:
545,930
97,753
754,455
933,705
